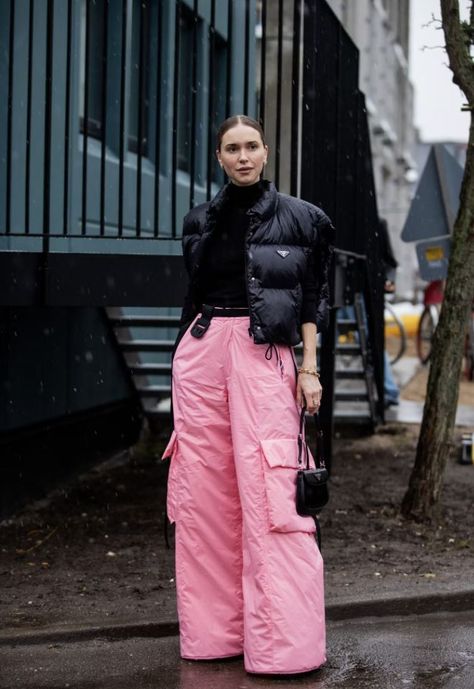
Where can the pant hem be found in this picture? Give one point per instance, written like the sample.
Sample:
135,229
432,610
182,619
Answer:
237,654
285,672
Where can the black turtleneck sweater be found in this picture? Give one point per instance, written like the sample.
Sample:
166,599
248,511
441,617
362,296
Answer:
222,278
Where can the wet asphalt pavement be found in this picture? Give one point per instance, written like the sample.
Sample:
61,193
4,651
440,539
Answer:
419,652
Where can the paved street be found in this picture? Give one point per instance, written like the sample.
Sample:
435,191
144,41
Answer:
426,652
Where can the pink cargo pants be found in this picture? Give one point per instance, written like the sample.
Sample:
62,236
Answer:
249,575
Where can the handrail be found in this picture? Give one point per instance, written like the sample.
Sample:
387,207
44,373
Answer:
351,254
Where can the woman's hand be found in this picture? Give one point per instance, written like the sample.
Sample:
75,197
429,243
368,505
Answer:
309,391
308,387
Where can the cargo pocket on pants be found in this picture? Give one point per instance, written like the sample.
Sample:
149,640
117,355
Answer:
170,453
280,464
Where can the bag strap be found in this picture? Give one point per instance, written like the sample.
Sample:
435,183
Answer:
301,438
319,454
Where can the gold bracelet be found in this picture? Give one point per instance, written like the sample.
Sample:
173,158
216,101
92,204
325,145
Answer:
311,371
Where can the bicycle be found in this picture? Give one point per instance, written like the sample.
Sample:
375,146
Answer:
400,334
429,318
427,325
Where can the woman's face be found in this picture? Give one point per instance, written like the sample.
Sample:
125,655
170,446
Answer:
242,155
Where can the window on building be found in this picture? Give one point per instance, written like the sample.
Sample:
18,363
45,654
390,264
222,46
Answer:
92,17
187,26
220,91
91,34
139,103
185,83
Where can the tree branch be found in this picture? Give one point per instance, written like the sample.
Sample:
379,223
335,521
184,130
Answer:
460,61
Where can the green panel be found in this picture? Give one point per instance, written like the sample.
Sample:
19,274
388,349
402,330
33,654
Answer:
161,50
4,31
55,362
19,101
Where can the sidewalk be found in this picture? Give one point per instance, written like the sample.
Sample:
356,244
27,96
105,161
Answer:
409,411
403,603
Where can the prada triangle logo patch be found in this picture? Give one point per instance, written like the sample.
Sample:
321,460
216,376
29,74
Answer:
283,252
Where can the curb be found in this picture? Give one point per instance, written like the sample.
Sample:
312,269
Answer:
386,607
455,601
69,634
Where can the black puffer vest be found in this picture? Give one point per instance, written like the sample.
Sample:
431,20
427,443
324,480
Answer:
283,231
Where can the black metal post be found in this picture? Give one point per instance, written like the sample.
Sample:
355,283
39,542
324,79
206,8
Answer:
174,153
230,39
192,152
278,93
11,47
211,99
159,30
67,116
138,215
263,63
28,117
327,359
295,97
104,117
246,56
86,122
123,67
47,146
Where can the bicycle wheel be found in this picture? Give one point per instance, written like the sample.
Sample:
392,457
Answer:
401,334
424,335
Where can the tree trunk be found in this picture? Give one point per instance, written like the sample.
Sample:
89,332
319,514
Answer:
434,442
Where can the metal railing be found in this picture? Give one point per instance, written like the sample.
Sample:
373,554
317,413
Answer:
130,94
110,111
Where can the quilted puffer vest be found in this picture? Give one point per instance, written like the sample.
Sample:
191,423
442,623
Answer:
283,232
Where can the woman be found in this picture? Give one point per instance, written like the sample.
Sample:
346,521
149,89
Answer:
248,572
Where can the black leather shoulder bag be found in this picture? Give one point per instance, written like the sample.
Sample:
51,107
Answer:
311,482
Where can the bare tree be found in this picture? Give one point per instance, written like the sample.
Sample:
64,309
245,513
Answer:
439,414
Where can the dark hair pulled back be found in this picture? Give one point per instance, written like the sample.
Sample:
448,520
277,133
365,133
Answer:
233,122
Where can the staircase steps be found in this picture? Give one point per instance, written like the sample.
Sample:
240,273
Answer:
140,337
348,349
346,325
146,345
349,374
153,390
349,395
144,321
150,369
354,389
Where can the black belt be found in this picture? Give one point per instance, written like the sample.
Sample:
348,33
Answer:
209,312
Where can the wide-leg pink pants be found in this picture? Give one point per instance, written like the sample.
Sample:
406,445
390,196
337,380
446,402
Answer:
249,575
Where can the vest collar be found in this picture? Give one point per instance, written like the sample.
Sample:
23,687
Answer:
264,208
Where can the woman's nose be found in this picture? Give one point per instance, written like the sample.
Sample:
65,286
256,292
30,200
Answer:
243,155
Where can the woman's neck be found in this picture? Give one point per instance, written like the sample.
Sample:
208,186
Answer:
245,196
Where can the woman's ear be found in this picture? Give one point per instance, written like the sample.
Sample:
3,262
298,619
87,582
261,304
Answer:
218,156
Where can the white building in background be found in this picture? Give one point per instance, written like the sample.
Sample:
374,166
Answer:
380,29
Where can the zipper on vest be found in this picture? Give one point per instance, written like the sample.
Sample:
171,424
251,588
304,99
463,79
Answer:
249,233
